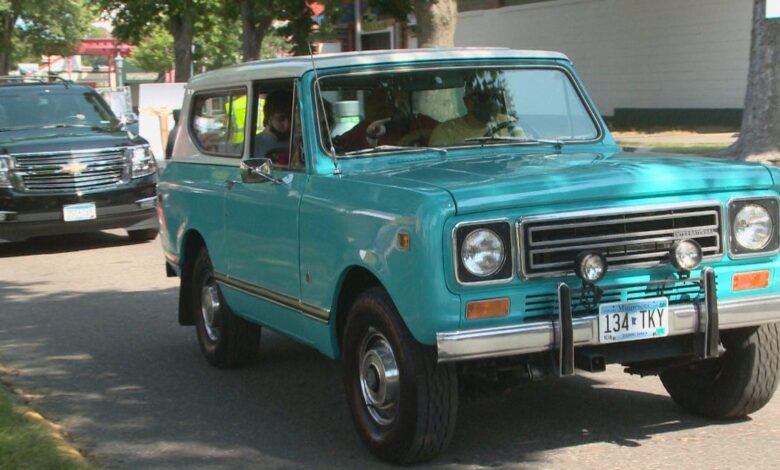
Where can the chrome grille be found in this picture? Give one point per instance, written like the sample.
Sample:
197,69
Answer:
681,291
72,171
626,237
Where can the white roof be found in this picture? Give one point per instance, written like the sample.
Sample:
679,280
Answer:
296,66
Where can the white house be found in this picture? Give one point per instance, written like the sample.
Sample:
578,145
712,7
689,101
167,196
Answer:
644,61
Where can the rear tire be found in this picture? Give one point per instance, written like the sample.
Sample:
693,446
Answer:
144,235
226,340
742,380
404,405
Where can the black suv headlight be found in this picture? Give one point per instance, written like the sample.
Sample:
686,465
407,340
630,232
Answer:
753,227
483,252
5,171
141,160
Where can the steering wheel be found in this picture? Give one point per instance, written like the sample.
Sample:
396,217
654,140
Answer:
528,131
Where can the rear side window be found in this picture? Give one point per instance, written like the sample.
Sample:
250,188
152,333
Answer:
218,122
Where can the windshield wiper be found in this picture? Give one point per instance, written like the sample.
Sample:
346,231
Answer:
517,140
387,148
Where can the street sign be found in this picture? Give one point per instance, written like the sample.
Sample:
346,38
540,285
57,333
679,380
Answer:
772,9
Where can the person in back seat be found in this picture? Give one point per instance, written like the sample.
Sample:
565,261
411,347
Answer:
274,141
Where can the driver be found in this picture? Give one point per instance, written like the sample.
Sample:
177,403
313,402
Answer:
483,117
277,112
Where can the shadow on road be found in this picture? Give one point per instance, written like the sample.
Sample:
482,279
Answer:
63,243
125,379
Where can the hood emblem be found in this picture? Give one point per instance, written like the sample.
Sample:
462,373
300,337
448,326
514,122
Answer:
74,168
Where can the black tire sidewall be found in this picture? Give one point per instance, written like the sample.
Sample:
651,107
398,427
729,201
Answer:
389,442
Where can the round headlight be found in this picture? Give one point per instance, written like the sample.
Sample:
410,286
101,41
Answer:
753,227
686,254
482,252
590,267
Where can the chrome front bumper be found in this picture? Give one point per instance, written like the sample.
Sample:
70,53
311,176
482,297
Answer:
546,335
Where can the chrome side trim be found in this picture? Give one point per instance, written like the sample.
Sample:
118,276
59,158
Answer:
540,336
308,310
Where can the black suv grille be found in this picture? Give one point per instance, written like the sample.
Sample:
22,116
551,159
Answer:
627,237
72,172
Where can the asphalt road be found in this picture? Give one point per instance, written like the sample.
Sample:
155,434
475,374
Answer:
88,328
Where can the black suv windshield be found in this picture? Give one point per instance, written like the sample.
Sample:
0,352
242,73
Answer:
43,106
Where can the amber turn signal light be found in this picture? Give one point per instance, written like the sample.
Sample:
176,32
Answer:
751,280
403,240
487,308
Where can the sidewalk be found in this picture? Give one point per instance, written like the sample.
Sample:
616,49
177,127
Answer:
675,141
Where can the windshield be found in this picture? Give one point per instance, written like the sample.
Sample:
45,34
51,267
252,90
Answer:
455,107
46,107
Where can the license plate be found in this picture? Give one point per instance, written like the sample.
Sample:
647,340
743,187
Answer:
633,320
76,212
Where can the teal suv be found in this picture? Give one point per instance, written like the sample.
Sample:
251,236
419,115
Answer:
433,217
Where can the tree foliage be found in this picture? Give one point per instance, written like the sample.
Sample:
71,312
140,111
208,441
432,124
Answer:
155,52
294,20
29,29
436,19
135,19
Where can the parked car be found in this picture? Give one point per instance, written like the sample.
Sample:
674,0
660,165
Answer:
67,165
473,218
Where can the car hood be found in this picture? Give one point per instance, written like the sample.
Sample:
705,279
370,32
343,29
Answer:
488,183
63,139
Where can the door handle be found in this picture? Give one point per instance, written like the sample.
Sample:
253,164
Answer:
230,183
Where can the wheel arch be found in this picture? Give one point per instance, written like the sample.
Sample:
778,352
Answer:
355,280
192,242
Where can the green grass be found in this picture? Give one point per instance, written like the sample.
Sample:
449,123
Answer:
27,444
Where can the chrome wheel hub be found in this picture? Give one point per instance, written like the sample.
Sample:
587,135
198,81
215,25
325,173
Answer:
379,377
209,308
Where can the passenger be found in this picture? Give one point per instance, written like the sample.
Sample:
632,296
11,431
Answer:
389,121
484,102
274,141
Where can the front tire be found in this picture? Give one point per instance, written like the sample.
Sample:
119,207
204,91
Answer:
403,403
739,382
226,340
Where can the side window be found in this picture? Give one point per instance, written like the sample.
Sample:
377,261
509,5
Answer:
218,121
278,134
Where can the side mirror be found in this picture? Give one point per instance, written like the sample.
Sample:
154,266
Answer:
257,170
128,118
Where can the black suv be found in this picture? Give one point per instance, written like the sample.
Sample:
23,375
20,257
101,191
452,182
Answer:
67,165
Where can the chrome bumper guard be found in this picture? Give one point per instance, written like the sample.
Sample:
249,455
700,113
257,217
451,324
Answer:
704,319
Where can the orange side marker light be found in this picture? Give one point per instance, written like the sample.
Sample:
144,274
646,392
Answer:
750,280
487,308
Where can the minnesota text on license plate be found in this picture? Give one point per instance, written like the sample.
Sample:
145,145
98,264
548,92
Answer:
634,319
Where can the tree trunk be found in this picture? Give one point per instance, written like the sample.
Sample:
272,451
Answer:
252,30
759,139
7,22
181,30
436,21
